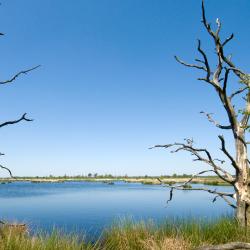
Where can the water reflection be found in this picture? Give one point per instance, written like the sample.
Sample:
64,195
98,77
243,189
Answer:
90,206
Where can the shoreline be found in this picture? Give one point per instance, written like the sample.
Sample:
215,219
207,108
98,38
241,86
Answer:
146,181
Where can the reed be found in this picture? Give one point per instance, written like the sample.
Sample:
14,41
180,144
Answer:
177,234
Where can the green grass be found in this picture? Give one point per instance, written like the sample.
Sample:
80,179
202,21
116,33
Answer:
12,239
148,180
127,235
189,234
216,183
148,183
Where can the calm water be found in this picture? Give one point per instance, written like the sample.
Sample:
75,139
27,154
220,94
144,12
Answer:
90,206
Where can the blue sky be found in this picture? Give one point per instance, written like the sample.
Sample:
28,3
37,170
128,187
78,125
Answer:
109,87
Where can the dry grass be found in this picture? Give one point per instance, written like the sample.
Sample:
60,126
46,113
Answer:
166,243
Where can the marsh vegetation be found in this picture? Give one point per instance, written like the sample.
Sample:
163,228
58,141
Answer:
149,180
171,235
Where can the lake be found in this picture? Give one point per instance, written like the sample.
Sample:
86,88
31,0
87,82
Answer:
91,206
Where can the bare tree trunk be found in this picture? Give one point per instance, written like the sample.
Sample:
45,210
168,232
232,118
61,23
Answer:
241,185
241,212
248,214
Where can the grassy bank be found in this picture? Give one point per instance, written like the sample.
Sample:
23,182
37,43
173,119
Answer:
177,235
207,180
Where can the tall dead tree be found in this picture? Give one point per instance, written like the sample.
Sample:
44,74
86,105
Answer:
238,122
23,117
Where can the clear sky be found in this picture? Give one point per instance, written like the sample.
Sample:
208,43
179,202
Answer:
109,87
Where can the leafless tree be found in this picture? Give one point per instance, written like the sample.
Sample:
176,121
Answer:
23,116
238,123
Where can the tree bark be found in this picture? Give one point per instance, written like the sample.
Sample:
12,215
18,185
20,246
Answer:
241,185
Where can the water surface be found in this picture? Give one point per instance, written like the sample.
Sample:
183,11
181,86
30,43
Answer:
90,206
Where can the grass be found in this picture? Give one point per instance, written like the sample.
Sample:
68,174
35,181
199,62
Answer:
187,186
177,234
12,239
149,180
216,183
150,183
127,235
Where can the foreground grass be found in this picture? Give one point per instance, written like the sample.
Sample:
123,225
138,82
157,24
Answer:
12,239
175,235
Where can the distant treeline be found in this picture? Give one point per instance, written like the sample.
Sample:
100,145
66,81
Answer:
110,176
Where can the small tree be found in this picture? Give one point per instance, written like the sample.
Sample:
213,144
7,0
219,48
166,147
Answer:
218,79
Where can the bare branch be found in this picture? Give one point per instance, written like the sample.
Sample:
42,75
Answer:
192,177
196,152
224,150
206,66
215,85
225,199
204,21
170,194
198,60
218,27
236,71
219,46
221,161
189,65
196,175
23,118
10,173
225,79
223,195
18,74
226,101
205,60
227,40
216,81
239,91
210,119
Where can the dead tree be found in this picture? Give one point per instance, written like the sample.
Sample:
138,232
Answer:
24,116
238,122
12,122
